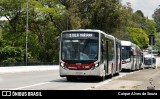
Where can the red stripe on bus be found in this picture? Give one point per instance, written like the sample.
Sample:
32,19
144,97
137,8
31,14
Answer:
79,66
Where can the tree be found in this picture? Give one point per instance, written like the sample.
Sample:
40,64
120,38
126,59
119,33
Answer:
140,13
138,36
105,15
157,41
47,22
43,15
11,54
156,17
73,20
14,12
48,18
149,26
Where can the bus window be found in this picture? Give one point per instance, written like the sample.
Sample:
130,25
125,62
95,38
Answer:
71,49
149,61
126,53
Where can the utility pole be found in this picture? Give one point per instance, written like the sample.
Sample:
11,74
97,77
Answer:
145,46
151,51
27,35
152,41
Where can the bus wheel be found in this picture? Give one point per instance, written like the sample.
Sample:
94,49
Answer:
102,78
111,75
154,67
69,78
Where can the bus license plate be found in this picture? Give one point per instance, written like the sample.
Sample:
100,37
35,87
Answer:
79,73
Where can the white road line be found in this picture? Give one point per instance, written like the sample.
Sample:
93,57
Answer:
19,88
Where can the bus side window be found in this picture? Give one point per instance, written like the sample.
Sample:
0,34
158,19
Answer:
102,50
102,47
154,60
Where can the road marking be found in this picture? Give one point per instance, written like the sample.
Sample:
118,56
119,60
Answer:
19,88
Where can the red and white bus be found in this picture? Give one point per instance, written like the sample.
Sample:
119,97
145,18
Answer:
87,53
131,56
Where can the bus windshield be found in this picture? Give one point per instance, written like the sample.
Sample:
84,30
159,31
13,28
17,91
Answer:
125,52
79,49
149,61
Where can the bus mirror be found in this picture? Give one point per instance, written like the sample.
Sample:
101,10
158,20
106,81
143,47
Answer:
58,39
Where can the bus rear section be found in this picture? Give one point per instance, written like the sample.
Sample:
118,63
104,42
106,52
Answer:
149,61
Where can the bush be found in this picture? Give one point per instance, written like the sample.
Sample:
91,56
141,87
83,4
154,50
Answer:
11,54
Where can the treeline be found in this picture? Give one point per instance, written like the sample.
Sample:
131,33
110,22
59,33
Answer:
48,18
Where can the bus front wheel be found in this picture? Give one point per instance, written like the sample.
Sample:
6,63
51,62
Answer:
69,78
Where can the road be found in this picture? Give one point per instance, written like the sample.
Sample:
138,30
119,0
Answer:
50,80
44,80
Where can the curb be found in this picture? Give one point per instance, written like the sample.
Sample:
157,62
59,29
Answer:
109,80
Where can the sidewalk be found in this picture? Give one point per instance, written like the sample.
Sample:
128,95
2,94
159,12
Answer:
158,62
27,68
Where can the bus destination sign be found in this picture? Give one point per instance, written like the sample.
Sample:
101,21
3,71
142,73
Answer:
78,35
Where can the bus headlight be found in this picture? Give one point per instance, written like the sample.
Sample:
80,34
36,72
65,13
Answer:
95,66
62,64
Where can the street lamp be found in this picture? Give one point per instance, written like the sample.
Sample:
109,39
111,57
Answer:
152,42
27,34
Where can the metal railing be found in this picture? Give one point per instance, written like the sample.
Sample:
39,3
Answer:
28,64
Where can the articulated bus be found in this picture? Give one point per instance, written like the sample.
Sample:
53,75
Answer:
131,56
89,53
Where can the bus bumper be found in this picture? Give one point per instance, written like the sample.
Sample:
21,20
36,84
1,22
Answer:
66,72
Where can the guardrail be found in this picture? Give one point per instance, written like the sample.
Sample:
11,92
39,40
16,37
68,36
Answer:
28,64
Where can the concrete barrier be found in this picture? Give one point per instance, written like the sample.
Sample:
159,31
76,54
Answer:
27,68
158,62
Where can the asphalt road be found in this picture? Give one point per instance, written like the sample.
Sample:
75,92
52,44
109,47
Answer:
50,80
44,80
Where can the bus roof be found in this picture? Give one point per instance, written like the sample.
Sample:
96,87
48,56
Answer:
88,30
126,43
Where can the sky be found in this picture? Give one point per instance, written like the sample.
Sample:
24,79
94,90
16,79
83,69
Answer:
146,6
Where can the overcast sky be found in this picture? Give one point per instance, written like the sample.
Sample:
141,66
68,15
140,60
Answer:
146,6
